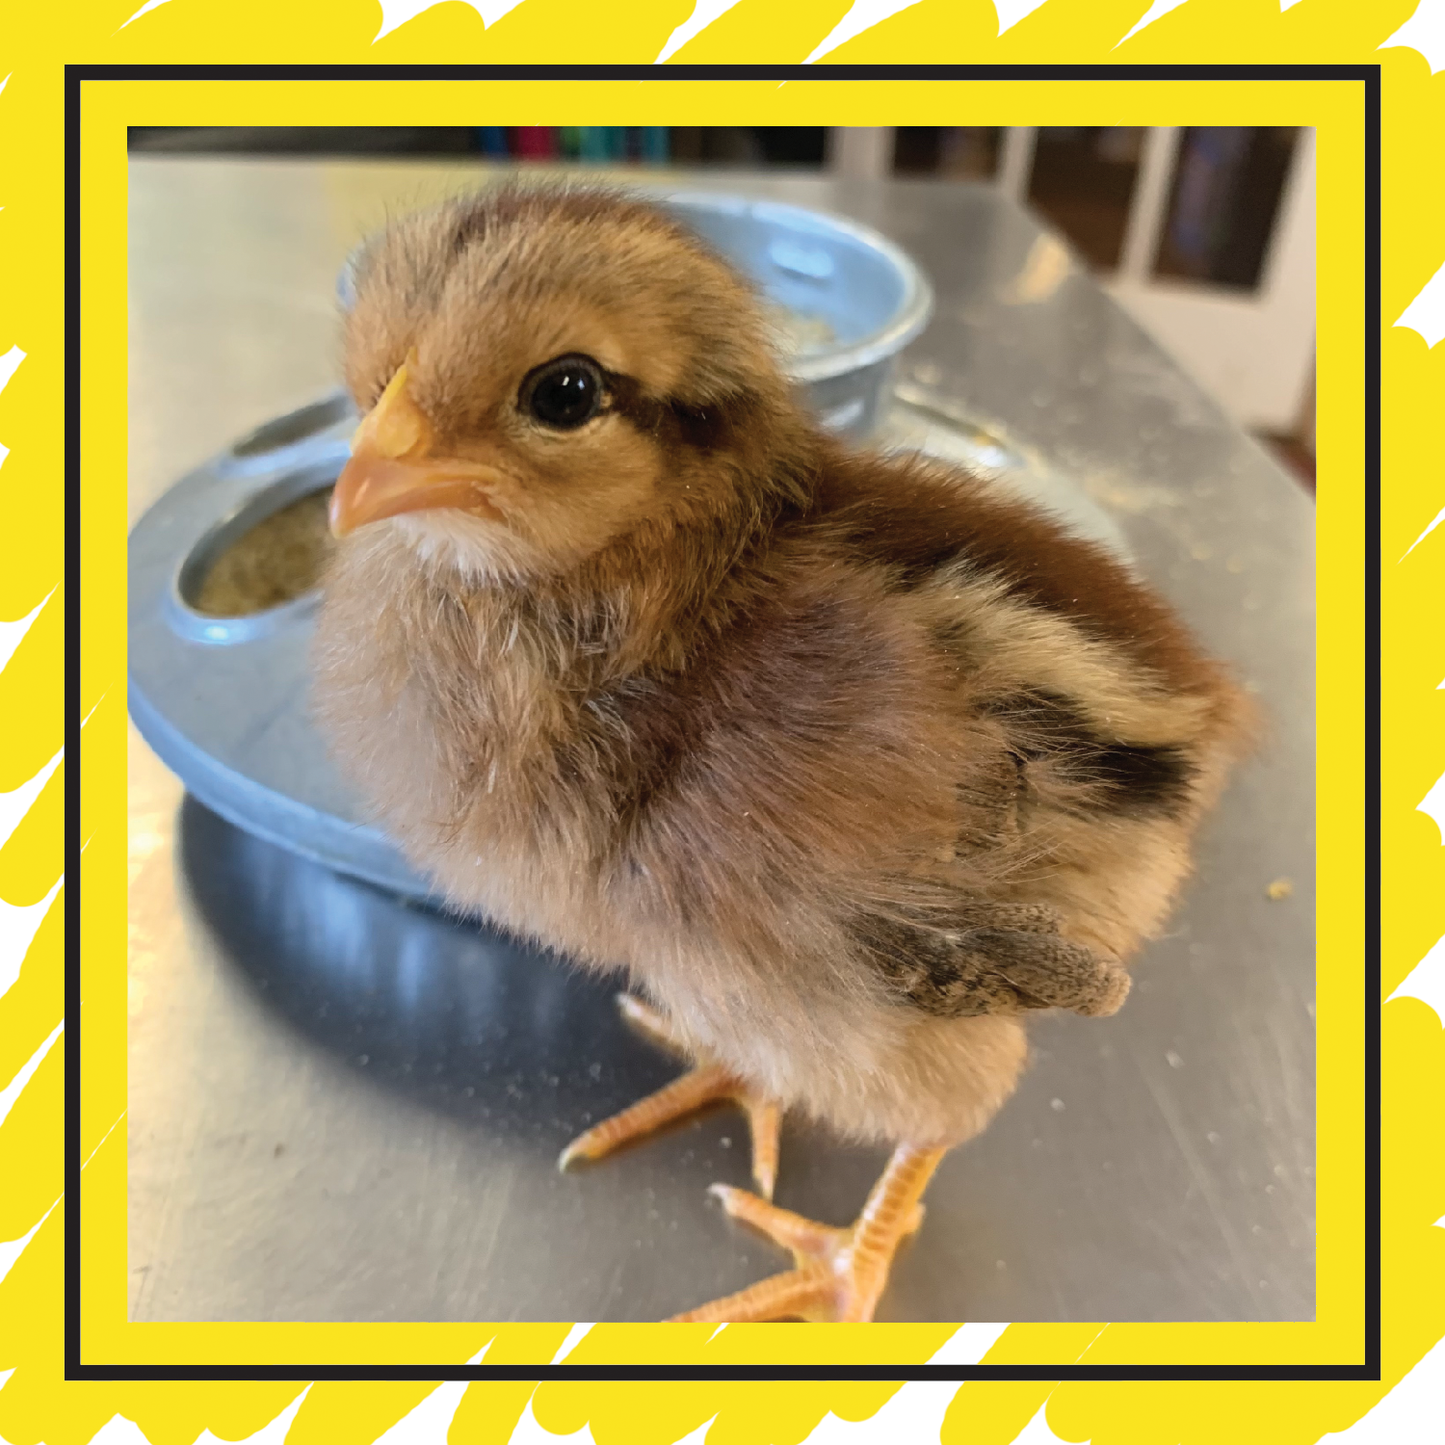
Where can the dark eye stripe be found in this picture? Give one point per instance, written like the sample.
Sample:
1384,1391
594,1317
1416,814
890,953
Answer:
702,428
671,422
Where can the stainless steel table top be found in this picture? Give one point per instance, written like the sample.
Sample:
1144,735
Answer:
342,1108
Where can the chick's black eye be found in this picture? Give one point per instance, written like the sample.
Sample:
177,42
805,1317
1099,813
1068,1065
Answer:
563,393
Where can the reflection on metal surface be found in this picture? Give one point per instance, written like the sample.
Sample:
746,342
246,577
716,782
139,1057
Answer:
1045,269
457,1017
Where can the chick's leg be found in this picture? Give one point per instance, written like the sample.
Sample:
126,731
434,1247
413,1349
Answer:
839,1274
694,1090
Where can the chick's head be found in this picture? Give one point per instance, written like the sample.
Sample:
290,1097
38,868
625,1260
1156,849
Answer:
541,371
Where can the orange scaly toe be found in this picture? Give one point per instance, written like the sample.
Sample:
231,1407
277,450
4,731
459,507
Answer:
839,1274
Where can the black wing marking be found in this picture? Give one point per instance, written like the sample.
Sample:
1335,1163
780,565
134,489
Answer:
1125,778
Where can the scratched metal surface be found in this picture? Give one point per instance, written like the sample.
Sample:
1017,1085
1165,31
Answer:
344,1109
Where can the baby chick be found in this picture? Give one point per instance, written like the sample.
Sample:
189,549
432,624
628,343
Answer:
847,760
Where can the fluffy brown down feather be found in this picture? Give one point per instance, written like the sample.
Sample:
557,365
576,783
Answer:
847,760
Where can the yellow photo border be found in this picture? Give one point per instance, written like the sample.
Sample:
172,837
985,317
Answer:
1336,108
35,1401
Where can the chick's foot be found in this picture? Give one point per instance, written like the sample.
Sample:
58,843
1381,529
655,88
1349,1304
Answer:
839,1274
694,1090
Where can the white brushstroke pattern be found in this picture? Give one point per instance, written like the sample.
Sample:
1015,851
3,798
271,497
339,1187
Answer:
1038,1431
1407,1415
1287,5
914,1413
3,84
4,450
529,1432
1439,517
273,1433
1426,313
428,1422
917,1411
1423,31
704,12
398,12
862,15
698,1436
1433,805
968,1345
8,365
103,1138
1155,12
12,634
574,1338
1010,12
15,804
18,926
119,1431
144,10
12,1249
1426,981
11,1091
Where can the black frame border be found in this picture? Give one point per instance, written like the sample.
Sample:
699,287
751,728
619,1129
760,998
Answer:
1369,75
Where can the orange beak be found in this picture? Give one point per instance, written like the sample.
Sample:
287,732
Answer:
393,468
